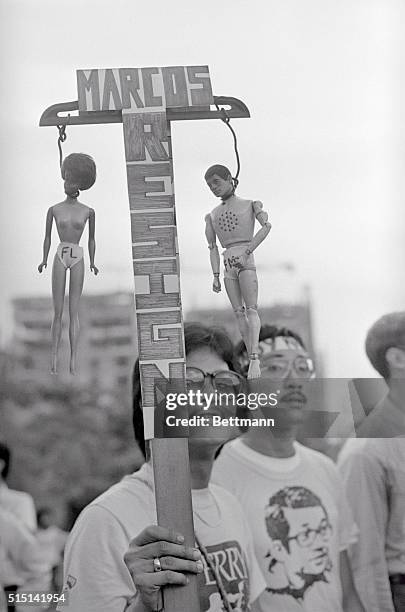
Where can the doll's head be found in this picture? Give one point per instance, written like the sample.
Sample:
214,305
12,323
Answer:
219,180
79,173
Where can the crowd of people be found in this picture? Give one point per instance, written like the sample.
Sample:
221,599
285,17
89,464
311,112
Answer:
31,545
279,526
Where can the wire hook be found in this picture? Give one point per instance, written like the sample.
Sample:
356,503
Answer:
227,120
62,137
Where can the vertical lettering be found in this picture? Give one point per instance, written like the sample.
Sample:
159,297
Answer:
147,131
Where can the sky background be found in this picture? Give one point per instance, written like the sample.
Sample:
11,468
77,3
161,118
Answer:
323,148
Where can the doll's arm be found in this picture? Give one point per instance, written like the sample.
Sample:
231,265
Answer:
214,253
262,218
47,239
92,242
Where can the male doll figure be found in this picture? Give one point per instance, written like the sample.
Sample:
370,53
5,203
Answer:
233,221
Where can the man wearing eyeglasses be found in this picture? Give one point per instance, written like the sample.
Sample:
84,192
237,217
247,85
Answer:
117,558
293,496
374,473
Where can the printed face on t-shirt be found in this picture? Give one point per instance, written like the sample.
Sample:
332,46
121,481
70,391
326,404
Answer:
309,535
299,547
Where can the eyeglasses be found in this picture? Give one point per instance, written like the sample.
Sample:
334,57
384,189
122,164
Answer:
222,380
307,537
280,368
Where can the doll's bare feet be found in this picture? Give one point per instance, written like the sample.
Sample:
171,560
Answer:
73,365
254,366
54,366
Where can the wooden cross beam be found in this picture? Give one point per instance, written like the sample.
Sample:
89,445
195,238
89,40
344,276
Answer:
146,100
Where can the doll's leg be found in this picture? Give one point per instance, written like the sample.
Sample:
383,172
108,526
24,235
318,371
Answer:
58,296
249,290
75,291
235,297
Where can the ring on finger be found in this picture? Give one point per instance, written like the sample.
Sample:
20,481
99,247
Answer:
157,566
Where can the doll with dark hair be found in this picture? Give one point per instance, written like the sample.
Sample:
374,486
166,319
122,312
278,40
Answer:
233,222
79,173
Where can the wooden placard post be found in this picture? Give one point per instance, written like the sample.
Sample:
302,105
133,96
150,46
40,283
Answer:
146,100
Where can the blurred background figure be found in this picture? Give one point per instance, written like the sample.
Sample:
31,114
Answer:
20,507
21,563
51,540
20,504
374,472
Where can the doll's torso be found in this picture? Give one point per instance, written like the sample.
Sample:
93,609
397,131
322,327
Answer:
70,219
234,221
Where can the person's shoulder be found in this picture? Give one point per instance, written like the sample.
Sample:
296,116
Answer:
13,528
224,494
319,461
384,421
227,466
242,203
229,451
7,520
215,211
362,451
56,207
85,208
131,486
19,497
227,501
307,452
117,515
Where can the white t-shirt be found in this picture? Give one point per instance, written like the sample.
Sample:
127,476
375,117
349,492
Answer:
300,520
20,504
51,541
20,551
96,577
374,475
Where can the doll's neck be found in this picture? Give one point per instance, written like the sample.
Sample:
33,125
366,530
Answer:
228,197
72,198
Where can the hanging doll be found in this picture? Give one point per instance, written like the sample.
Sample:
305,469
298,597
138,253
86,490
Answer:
233,222
79,172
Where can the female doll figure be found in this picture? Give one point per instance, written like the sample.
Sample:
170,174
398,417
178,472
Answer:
233,221
79,172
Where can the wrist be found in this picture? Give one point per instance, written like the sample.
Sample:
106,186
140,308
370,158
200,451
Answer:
216,274
248,251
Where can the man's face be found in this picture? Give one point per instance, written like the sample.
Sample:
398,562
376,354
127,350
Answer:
285,372
309,536
308,539
220,187
210,362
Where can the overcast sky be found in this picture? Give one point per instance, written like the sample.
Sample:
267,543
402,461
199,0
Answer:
323,148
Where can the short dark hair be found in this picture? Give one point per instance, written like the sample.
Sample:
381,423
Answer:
196,335
5,455
266,331
387,332
277,525
221,171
